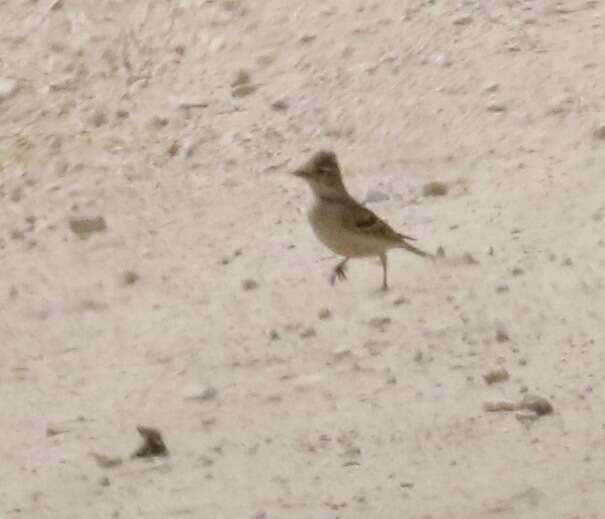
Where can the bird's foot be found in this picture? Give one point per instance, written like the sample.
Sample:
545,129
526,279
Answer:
338,273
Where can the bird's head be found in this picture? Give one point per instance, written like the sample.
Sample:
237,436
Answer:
323,174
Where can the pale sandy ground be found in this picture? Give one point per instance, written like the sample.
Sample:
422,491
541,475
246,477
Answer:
350,416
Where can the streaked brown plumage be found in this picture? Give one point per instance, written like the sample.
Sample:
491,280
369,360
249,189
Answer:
341,223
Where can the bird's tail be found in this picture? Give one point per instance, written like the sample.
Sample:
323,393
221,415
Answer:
405,245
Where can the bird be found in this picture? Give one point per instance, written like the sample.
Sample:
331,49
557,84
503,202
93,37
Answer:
344,225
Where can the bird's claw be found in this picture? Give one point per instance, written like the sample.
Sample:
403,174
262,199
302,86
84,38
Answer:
339,273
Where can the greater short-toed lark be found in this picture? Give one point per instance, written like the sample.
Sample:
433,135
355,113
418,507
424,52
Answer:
342,224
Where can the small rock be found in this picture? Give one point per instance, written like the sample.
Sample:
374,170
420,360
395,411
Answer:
308,333
599,131
280,105
216,44
490,88
243,90
435,188
104,481
324,313
502,336
307,38
496,106
560,105
496,375
465,19
55,429
567,262
401,300
522,361
440,253
56,5
158,122
202,392
98,118
380,323
498,407
526,417
174,148
242,77
7,87
341,352
441,59
153,444
106,462
537,404
129,277
469,259
273,335
84,227
249,284
186,103
500,289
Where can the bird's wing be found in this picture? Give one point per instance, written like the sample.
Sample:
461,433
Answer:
362,220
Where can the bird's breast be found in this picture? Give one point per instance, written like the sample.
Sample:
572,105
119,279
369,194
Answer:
327,221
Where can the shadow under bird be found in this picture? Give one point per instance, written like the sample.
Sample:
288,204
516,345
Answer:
344,225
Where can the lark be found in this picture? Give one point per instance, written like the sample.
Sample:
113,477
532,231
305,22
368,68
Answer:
344,225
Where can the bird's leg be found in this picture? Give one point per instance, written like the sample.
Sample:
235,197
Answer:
383,260
339,271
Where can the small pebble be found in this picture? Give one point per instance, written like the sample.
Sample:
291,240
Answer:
497,407
380,323
324,313
435,188
129,277
463,20
401,300
280,105
173,149
152,445
243,90
98,118
496,106
242,77
490,88
496,375
599,131
537,404
502,336
107,462
104,481
84,227
441,60
308,333
200,392
7,87
341,352
469,259
249,284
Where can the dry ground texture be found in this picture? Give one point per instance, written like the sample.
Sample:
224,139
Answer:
158,268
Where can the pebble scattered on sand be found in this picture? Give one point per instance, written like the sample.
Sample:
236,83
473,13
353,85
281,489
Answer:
496,375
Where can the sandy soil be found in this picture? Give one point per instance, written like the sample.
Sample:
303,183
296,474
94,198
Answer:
195,298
